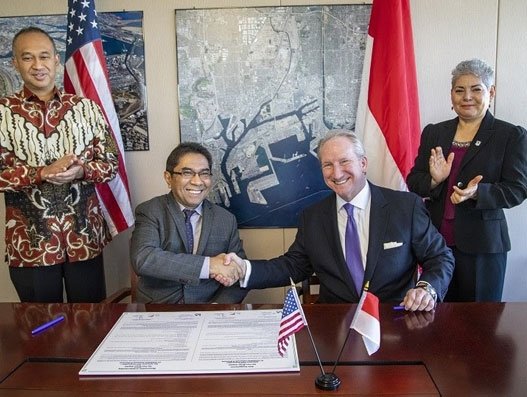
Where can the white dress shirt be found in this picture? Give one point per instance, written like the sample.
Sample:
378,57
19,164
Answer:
196,222
361,214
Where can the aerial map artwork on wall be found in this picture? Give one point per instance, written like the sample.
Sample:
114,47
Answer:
122,37
259,87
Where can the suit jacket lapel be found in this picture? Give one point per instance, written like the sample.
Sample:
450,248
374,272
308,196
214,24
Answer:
480,140
330,229
178,217
207,219
446,137
379,218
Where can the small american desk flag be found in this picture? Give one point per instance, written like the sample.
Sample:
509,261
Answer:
293,320
86,75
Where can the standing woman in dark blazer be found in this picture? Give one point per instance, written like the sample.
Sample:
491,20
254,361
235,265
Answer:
469,169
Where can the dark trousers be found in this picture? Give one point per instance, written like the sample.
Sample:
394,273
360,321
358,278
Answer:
84,282
477,277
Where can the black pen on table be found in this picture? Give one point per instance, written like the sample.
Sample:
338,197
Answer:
47,325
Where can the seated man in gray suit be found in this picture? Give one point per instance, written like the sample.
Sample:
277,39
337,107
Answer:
360,235
180,237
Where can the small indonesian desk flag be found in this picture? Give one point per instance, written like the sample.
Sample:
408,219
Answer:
293,319
366,321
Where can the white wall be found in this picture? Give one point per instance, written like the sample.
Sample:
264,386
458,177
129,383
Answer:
511,105
445,32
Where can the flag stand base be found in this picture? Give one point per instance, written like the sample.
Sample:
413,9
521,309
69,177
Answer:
327,381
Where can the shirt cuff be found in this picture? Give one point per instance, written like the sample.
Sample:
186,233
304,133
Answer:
248,268
205,273
36,176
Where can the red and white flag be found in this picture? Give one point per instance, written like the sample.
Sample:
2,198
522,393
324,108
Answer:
86,75
366,321
388,112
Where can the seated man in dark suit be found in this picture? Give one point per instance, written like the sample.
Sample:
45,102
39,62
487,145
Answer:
180,237
361,235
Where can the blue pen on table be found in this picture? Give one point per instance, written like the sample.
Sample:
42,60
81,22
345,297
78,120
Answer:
399,308
47,325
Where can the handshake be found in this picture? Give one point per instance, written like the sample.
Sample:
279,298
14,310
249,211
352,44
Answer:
227,268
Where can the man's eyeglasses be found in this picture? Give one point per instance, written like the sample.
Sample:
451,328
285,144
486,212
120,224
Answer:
189,174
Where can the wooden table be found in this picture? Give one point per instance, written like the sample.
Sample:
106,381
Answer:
462,349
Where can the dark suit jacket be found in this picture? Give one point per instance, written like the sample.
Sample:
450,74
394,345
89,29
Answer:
160,257
401,235
499,153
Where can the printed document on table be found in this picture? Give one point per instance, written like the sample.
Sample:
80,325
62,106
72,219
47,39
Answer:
160,343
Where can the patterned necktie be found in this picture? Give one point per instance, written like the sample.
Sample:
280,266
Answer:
188,229
353,254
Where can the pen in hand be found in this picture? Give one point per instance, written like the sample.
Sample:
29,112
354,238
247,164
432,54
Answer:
47,325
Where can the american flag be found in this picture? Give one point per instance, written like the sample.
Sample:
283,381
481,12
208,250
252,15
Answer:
293,320
86,75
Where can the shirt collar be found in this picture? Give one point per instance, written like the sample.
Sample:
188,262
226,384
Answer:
28,95
361,200
198,209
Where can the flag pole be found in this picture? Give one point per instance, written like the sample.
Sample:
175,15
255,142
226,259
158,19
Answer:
315,349
341,350
366,286
325,381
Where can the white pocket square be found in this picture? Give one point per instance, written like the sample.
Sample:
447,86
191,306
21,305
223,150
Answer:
392,244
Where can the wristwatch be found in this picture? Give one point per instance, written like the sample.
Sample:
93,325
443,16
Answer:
428,288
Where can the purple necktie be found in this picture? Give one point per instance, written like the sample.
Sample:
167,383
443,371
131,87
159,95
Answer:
353,255
188,229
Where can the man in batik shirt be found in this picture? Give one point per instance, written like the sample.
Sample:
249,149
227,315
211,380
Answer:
54,147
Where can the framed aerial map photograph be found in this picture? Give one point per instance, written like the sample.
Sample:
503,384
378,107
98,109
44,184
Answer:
259,87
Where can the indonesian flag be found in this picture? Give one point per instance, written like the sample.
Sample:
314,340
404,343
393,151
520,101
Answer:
86,75
388,112
366,321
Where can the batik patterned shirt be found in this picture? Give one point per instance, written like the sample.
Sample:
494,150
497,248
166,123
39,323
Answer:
48,224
